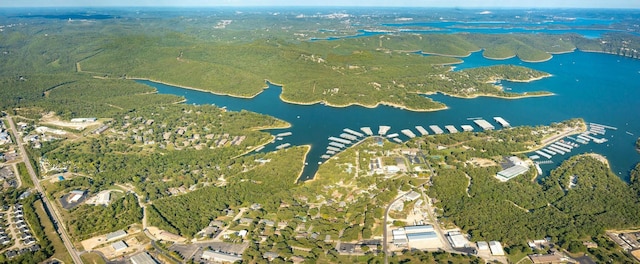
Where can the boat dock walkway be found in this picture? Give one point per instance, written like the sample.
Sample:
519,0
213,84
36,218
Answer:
451,129
436,129
408,133
367,130
382,130
284,134
422,130
352,132
502,122
484,124
340,140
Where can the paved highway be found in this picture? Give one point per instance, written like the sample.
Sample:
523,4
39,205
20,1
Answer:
55,214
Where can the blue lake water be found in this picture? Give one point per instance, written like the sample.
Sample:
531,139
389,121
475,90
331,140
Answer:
600,88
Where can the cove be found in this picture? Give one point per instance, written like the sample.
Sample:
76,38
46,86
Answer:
599,88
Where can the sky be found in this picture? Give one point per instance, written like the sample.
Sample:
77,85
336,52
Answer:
635,4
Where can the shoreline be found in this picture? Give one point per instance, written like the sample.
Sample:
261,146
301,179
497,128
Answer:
550,140
498,96
304,160
198,89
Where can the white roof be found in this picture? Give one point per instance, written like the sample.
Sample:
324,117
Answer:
212,255
412,196
458,240
116,235
143,258
242,233
482,245
496,248
418,229
120,245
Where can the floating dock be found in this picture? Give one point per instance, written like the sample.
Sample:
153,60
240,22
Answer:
436,129
325,156
348,136
284,134
565,145
283,146
333,149
331,152
336,144
408,133
466,128
340,140
397,140
352,132
534,157
502,122
603,126
259,148
484,124
547,150
561,147
556,150
394,135
422,130
596,140
451,129
543,154
382,130
367,130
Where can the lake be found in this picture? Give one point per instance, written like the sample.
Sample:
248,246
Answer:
600,88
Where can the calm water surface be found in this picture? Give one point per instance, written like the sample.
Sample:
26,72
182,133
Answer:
600,88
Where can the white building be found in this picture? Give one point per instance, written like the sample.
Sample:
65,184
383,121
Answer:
457,239
143,258
483,245
219,256
496,248
119,246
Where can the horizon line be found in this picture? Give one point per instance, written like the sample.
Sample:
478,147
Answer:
327,6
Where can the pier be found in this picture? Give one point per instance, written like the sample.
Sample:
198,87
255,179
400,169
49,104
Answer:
283,146
340,140
603,126
565,145
333,149
331,152
382,130
336,144
561,147
451,129
543,154
466,128
352,132
348,136
367,130
325,156
422,130
394,135
259,148
484,124
534,157
397,140
502,122
547,150
436,129
556,150
284,134
408,133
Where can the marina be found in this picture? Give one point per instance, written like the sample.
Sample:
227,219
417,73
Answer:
451,129
550,152
348,137
484,124
436,129
422,130
284,134
466,128
340,140
333,149
367,131
282,146
556,150
544,154
382,130
502,122
352,132
336,144
408,133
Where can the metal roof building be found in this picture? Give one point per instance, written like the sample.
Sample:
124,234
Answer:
116,235
421,236
143,258
219,256
418,229
119,246
496,248
511,172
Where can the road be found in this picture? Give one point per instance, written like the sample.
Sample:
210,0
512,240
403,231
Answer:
385,244
58,223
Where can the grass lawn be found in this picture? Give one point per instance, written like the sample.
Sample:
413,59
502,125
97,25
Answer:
59,248
92,258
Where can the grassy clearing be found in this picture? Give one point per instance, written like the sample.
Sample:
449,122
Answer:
59,248
92,258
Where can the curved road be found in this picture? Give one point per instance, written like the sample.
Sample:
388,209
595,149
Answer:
58,223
